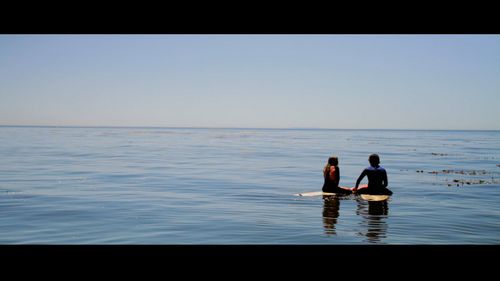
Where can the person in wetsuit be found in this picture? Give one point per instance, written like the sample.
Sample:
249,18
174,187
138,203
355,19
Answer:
377,179
331,173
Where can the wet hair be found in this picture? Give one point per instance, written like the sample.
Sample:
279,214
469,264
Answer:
333,161
374,160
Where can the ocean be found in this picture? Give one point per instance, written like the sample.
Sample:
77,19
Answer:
112,185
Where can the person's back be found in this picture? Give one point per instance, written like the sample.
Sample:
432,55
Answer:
377,178
331,174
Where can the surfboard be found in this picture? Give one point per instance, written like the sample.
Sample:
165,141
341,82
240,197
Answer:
319,193
370,197
314,193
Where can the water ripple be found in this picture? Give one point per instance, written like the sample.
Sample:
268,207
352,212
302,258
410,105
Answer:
236,186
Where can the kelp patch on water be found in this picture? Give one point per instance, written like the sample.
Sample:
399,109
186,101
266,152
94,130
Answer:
462,172
439,154
468,177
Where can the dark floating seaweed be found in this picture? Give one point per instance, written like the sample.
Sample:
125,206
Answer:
439,154
466,181
472,182
461,172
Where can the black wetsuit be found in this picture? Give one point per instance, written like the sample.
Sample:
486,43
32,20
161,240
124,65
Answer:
331,185
377,181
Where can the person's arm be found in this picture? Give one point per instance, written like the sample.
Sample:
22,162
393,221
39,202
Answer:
363,174
384,178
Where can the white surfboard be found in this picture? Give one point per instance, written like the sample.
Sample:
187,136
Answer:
370,197
315,193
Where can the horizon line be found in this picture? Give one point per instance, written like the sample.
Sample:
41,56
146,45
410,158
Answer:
245,128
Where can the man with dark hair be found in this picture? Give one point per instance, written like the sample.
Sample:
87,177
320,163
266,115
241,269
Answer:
377,178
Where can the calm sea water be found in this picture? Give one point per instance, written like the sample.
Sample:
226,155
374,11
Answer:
61,185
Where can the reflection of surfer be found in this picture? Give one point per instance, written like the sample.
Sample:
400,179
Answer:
331,206
374,214
378,208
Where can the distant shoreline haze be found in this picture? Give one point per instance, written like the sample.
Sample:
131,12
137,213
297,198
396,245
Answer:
243,128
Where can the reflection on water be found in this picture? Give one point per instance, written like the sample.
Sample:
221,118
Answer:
233,186
373,215
331,206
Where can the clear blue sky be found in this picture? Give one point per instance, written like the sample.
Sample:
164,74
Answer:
269,81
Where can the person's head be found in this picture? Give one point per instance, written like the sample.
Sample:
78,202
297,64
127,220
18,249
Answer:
374,160
333,161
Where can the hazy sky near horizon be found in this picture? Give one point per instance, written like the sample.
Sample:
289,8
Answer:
268,81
